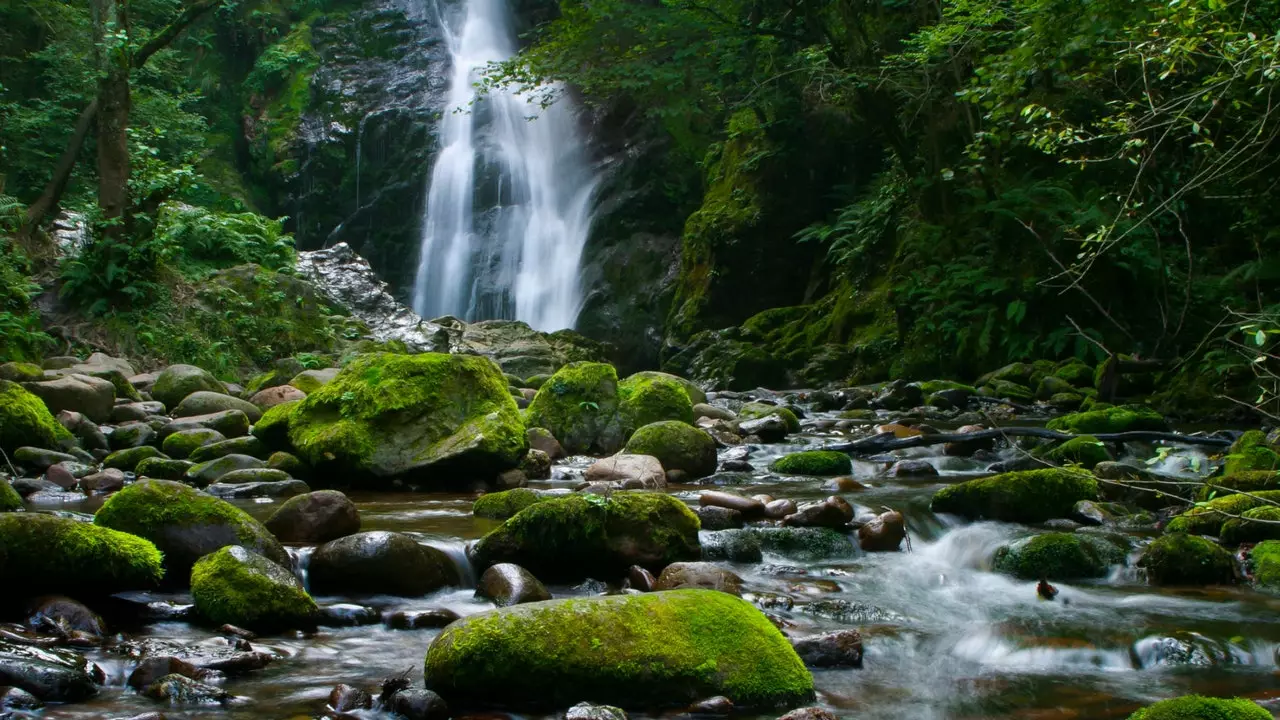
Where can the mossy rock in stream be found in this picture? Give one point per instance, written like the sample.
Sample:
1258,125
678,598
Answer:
804,543
26,421
238,587
1122,418
1028,496
1251,452
1083,450
583,536
813,462
754,410
579,406
504,504
1208,518
1197,707
1256,525
651,397
1264,564
1249,481
1180,559
1058,556
663,649
432,416
677,446
51,555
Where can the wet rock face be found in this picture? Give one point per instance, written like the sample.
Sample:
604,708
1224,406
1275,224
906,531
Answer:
48,674
316,517
842,648
507,584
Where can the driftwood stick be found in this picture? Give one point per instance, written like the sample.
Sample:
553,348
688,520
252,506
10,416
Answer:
887,441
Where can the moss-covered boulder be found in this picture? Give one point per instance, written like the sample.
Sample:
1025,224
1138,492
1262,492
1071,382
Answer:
273,427
1084,450
242,588
129,458
25,420
162,468
1248,481
1180,559
181,444
1264,565
185,524
1058,556
579,405
432,417
10,500
51,555
582,536
677,446
651,397
176,382
1196,707
1027,496
1251,452
696,394
204,402
502,505
1208,517
1256,525
804,543
1076,373
755,411
1122,418
664,649
813,462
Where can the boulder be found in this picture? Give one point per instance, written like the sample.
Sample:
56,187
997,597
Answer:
152,668
629,472
502,505
107,481
14,698
185,524
536,465
61,616
85,430
718,518
542,439
842,648
695,393
10,500
239,587
702,410
1122,418
587,711
769,429
274,396
1180,559
25,420
834,512
49,674
650,397
579,406
39,459
649,650
380,563
431,416
309,381
240,491
181,444
127,460
179,690
581,536
507,584
813,462
315,518
1028,496
749,507
53,555
1058,556
1084,450
205,402
804,543
131,435
1196,707
207,473
1253,526
704,575
739,546
176,382
415,704
757,410
1208,517
883,533
260,475
231,423
677,446
90,396
247,445
1264,563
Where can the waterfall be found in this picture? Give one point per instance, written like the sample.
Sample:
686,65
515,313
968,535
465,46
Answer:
509,200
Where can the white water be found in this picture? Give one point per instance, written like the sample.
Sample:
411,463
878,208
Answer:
509,200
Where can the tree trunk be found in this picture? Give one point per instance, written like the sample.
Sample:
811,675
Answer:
110,30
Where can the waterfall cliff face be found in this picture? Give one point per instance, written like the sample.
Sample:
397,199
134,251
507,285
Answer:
509,199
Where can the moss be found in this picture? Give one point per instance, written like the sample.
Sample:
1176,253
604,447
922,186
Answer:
181,444
1007,390
804,543
929,387
273,427
162,468
1256,525
1058,556
1264,564
244,589
633,651
580,536
536,381
129,458
579,405
502,505
288,463
1020,373
1250,481
25,420
431,415
813,462
752,411
1084,450
1076,373
10,500
677,446
651,397
1251,452
1207,518
57,555
1180,559
21,372
307,381
1028,496
1196,707
1122,418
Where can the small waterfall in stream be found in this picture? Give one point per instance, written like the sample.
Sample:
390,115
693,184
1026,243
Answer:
509,201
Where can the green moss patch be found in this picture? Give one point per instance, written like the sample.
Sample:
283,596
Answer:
753,411
502,505
25,420
1123,418
813,462
57,555
242,588
1058,556
1084,451
1196,707
1208,517
1028,496
1187,560
1256,525
677,446
1264,564
647,398
579,406
1251,452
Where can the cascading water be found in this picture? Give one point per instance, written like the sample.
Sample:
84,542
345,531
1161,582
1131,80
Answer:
509,200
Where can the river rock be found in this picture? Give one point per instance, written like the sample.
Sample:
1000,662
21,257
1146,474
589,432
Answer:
419,619
127,460
536,465
61,616
542,439
718,518
151,669
134,412
242,588
207,473
85,430
204,402
641,579
504,504
348,615
778,509
185,524
884,533
1027,496
415,704
506,584
24,487
842,648
179,690
176,382
629,472
273,396
25,420
380,563
571,538
834,512
259,475
739,546
579,406
14,698
39,458
247,445
345,698
913,469
90,396
714,412
587,711
181,444
240,491
770,429
316,517
231,423
1179,559
750,508
1195,707
810,713
57,555
227,655
717,705
49,674
813,462
675,634
804,543
703,575
162,468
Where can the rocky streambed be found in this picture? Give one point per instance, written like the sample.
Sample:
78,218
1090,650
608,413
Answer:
896,608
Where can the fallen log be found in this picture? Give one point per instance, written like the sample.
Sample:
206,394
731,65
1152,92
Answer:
888,441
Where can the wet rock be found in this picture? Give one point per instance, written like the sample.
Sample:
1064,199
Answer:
247,445
1179,559
968,447
1028,496
230,656
778,509
181,690
587,711
231,423
748,507
418,619
850,612
129,458
283,489
380,562
207,473
631,472
732,545
510,479
703,575
13,698
163,468
641,579
507,584
814,463
181,444
152,669
1088,512
834,512
204,402
770,429
542,439
913,469
135,412
90,396
132,435
348,615
39,458
107,481
718,705
677,446
884,533
345,698
737,466
61,616
802,543
176,382
810,713
29,486
898,395
713,412
240,587
502,505
270,397
842,648
48,674
536,465
718,518
316,517
414,704
67,474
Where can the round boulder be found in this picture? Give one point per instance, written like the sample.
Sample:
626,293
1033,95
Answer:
677,446
316,517
242,588
380,563
507,584
176,382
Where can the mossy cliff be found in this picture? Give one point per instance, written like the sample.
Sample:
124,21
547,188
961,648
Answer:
662,649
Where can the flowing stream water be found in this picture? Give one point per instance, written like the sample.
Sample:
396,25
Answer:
945,638
509,200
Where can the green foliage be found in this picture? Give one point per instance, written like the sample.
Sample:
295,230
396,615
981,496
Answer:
21,336
1197,707
198,239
